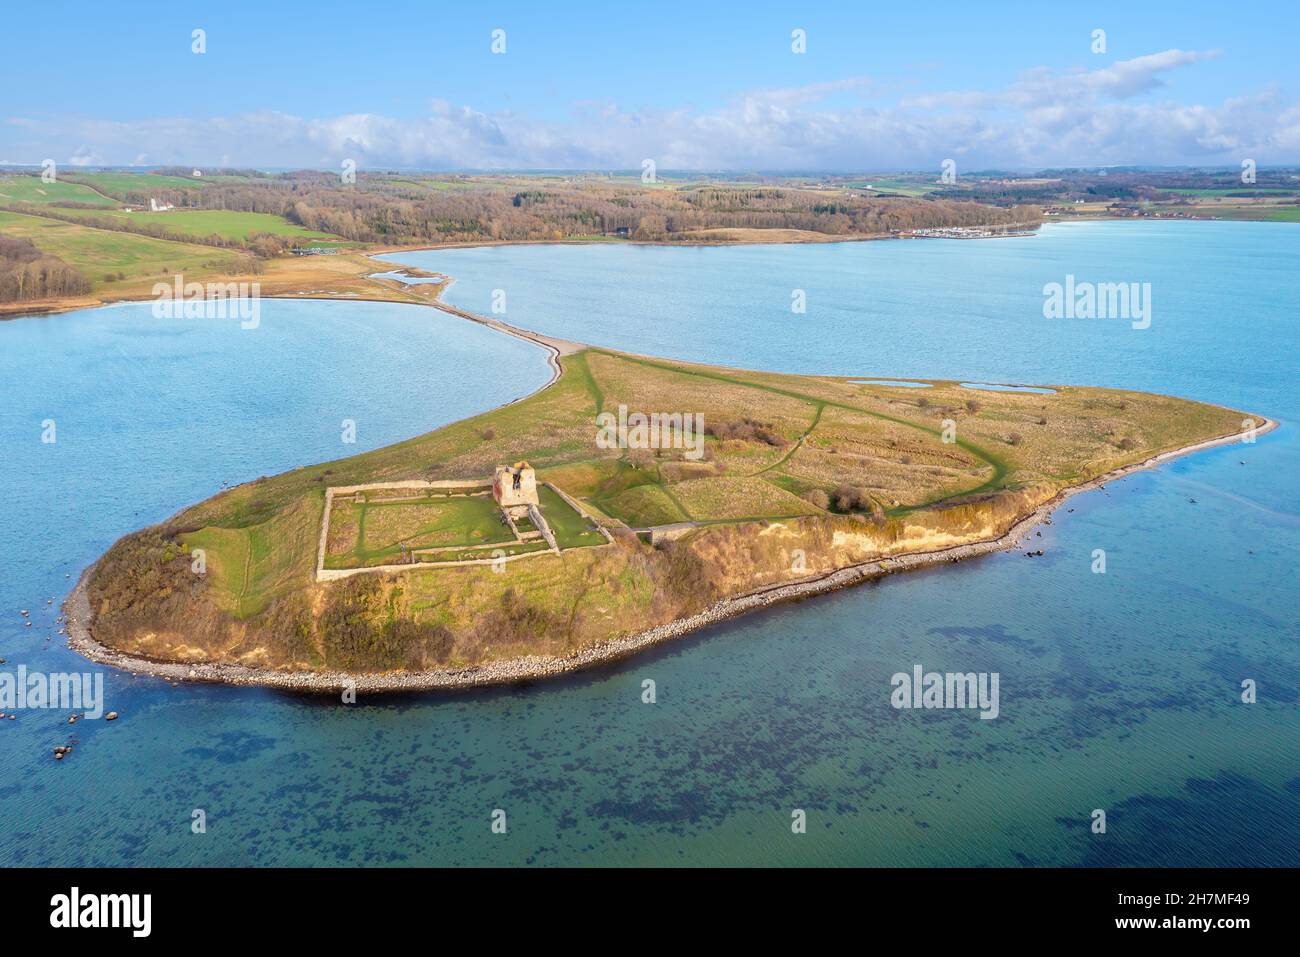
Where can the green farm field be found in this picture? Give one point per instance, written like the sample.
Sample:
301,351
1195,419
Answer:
30,189
111,260
1266,214
119,184
202,223
1243,191
910,186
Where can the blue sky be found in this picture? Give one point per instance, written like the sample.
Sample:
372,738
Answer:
690,85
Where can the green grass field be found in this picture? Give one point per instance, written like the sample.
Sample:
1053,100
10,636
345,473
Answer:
1262,214
642,507
1246,191
251,565
119,184
202,223
373,532
422,183
571,530
30,189
125,257
378,530
1239,211
504,549
917,186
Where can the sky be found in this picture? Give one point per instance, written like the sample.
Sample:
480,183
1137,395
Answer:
692,86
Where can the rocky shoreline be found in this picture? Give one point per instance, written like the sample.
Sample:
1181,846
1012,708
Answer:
79,617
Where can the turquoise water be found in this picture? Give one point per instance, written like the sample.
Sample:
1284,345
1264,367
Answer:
1118,691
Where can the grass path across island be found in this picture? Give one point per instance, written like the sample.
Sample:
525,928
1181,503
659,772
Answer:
821,407
248,572
995,462
583,370
672,497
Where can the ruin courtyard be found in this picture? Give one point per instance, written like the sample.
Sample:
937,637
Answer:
389,526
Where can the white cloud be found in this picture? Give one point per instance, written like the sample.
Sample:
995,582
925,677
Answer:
84,156
1041,87
1084,117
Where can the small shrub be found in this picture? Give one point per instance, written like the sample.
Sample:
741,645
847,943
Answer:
746,430
849,497
817,497
1015,438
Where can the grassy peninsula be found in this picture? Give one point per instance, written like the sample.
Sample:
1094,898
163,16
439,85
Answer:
798,479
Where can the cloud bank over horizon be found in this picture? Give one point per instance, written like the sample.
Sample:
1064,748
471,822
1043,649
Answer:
1112,115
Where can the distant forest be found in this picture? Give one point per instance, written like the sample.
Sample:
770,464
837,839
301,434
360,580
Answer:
400,210
27,274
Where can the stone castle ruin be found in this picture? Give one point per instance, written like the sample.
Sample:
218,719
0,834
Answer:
515,486
515,492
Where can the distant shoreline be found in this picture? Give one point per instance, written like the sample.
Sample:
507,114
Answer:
20,310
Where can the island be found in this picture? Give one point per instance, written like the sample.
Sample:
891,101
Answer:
630,500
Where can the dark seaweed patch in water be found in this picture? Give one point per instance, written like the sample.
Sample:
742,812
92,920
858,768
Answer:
1275,680
1227,821
233,747
997,634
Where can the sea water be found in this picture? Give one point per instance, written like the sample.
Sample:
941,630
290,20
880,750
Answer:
1118,692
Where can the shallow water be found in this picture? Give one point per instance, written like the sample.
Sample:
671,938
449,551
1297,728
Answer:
995,387
1118,691
896,383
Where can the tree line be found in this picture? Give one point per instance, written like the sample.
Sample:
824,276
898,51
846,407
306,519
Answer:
27,274
397,210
